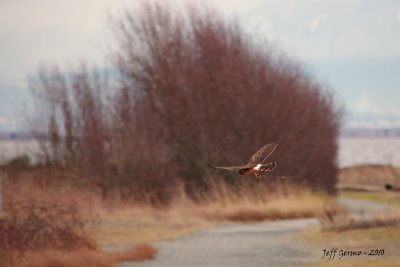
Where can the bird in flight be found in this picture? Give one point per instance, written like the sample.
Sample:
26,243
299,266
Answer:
256,164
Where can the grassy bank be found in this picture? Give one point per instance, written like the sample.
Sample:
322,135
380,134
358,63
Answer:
346,233
118,222
77,257
145,223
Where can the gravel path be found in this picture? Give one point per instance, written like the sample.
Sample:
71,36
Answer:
258,245
250,245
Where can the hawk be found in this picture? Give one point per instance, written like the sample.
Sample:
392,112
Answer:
256,164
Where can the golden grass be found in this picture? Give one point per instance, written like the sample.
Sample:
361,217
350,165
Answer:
128,222
363,239
347,233
386,238
344,222
356,238
144,223
51,200
124,226
123,223
375,175
288,204
79,258
55,258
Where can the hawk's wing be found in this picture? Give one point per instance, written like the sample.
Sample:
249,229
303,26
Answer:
261,155
233,168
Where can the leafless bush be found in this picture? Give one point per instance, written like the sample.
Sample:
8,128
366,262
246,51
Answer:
189,87
204,91
41,225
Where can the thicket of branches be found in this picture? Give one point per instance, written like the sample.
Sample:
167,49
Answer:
187,87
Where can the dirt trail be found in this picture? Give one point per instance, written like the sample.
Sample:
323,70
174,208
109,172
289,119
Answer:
250,245
260,244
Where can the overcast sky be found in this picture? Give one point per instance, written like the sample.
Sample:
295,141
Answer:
352,45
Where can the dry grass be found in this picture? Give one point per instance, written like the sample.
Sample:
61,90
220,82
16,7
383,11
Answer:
42,225
343,231
344,222
144,223
28,190
123,223
139,252
284,202
378,237
57,258
356,263
148,224
126,222
374,175
133,224
53,227
386,238
79,258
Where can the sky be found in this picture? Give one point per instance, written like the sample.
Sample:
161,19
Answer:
353,46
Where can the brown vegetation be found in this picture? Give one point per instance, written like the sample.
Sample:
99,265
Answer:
53,230
53,227
343,221
187,88
41,225
79,258
367,240
370,175
264,202
120,221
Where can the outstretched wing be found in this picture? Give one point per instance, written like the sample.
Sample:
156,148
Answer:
261,155
232,168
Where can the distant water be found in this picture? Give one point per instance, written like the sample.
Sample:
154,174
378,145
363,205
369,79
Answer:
369,150
352,150
10,149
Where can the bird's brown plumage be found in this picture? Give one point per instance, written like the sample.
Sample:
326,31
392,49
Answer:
261,155
258,158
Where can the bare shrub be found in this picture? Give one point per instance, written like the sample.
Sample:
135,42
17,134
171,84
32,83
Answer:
189,87
73,115
205,91
42,225
53,225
